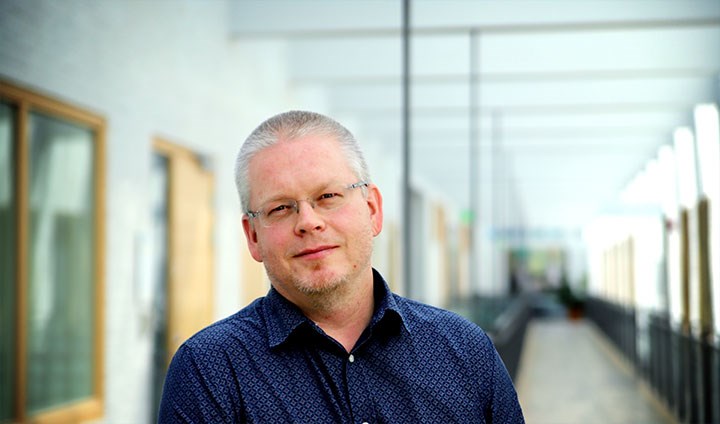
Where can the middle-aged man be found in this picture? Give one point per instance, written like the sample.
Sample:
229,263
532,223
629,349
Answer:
329,343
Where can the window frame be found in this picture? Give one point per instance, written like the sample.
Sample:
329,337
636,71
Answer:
26,101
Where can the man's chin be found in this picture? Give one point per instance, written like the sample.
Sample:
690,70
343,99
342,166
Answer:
319,288
320,283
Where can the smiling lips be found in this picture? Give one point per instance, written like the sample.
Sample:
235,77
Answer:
315,252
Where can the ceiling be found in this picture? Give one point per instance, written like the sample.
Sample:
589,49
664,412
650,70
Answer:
568,99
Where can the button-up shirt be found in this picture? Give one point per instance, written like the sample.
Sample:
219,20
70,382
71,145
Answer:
268,363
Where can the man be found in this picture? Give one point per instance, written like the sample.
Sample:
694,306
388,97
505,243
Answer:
329,343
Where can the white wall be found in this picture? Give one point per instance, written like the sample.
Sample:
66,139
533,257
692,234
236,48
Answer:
150,68
647,264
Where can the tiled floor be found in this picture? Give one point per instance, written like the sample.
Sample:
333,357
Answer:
570,374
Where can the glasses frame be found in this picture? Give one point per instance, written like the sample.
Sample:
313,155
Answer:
253,215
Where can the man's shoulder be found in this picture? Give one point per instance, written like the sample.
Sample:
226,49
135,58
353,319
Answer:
209,367
244,328
447,336
425,317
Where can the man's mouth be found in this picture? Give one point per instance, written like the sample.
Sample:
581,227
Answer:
315,252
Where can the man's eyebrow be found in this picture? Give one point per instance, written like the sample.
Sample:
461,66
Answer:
275,198
316,191
324,187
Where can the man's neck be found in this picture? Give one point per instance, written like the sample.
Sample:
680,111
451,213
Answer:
346,317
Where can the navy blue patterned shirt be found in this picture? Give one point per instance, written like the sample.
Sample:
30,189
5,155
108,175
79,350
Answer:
268,363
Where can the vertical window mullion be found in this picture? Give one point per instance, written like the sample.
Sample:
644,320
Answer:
22,193
99,262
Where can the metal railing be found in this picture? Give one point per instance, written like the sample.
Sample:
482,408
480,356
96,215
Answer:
682,369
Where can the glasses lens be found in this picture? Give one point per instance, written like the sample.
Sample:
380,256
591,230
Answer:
276,211
332,198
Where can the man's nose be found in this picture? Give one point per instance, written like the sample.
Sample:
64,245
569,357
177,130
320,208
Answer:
308,219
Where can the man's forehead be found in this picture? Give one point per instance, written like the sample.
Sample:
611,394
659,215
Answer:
297,185
294,193
306,155
291,148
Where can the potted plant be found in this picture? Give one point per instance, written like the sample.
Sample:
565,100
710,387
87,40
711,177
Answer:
572,302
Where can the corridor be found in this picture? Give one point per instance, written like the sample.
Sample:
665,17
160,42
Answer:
570,373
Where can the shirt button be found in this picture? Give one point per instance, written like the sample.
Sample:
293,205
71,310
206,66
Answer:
351,358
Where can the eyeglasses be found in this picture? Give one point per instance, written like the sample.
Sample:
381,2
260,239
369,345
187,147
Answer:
279,211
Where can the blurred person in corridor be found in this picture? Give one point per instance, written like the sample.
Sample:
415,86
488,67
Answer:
329,343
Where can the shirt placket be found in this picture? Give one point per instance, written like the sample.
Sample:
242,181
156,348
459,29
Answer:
361,403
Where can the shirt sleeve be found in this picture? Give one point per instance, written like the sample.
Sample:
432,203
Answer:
191,393
505,406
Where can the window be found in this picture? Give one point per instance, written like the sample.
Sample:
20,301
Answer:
51,256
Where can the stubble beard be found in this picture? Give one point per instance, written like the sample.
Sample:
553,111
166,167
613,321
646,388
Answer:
326,296
329,292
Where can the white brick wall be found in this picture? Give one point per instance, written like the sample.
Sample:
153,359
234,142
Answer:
150,68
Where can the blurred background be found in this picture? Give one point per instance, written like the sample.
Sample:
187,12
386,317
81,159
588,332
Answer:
550,169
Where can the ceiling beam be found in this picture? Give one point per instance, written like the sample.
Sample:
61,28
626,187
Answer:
529,27
577,108
494,77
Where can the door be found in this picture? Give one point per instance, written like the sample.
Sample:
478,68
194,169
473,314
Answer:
190,280
182,253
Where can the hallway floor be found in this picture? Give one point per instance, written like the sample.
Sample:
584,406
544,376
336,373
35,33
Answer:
570,373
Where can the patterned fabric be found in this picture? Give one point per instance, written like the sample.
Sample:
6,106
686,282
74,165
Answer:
268,363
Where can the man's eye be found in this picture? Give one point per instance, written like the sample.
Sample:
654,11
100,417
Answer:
329,200
279,209
326,196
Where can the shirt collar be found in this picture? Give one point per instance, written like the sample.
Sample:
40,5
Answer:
386,304
284,318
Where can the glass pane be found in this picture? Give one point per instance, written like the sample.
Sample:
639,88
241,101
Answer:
61,258
8,261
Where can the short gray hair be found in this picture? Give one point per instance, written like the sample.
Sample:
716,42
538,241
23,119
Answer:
290,126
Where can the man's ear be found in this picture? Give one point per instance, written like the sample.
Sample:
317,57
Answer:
251,238
374,202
